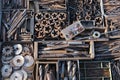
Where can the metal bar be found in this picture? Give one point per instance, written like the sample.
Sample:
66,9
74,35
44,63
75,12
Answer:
17,21
32,25
11,33
13,18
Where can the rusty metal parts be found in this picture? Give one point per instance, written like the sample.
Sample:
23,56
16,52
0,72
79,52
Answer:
49,24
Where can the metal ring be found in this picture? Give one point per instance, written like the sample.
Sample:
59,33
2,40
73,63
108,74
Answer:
98,20
54,15
17,75
18,61
47,29
45,23
96,34
47,15
40,34
62,16
38,27
55,33
39,16
6,70
29,64
17,49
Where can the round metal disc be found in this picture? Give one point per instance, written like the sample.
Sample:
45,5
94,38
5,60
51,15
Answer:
6,70
17,75
29,61
17,49
18,61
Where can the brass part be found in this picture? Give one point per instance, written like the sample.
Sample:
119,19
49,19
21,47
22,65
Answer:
54,15
57,23
55,33
40,34
47,15
62,16
38,27
39,16
52,22
98,20
45,23
47,29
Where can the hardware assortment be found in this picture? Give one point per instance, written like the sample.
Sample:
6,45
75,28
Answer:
64,50
59,39
111,7
17,61
49,24
46,70
68,70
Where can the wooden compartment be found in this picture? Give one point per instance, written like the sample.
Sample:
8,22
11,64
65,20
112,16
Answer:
95,70
67,50
51,66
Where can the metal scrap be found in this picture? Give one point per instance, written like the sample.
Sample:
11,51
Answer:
51,39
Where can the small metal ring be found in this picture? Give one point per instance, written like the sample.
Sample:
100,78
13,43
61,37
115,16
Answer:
54,15
47,29
96,34
39,16
6,70
47,15
45,23
62,16
17,49
40,34
38,27
55,34
98,20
